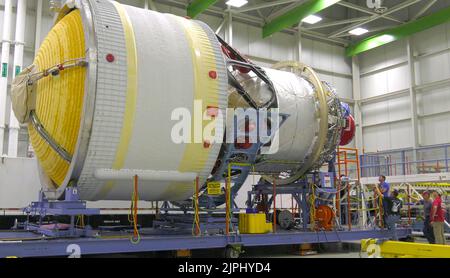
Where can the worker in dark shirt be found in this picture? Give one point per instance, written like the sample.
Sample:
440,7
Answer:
394,206
427,205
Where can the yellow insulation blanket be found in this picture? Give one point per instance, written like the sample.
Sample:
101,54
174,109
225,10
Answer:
60,99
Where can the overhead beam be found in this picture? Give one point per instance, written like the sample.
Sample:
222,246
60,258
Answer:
296,15
199,6
424,9
250,19
367,10
285,9
394,9
400,32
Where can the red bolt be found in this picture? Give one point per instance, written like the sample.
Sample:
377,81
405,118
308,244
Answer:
61,67
212,111
110,58
206,144
213,74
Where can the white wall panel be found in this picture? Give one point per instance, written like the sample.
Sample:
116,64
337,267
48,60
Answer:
241,37
435,129
399,108
374,85
435,100
397,78
343,85
341,63
432,40
389,55
375,113
257,45
19,183
433,68
283,47
376,138
400,135
389,136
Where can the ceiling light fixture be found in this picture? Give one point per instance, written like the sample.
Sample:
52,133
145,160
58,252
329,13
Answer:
358,31
237,3
312,19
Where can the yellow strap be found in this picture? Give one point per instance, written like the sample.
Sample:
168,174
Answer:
130,105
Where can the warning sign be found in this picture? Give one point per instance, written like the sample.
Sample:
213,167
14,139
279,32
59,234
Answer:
214,188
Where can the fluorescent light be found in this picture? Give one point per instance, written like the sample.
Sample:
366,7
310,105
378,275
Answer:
312,19
358,31
237,3
386,38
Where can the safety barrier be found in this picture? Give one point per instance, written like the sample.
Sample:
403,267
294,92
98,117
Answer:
424,160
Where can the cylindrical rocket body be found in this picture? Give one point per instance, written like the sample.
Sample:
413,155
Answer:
145,72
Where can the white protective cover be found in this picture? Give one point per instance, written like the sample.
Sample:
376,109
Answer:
296,99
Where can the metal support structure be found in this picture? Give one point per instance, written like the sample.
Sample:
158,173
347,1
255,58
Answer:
250,19
229,28
6,45
367,11
356,82
151,4
424,9
19,44
392,10
219,29
296,15
412,96
399,32
71,206
299,44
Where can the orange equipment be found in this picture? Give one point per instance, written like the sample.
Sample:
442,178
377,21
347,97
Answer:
324,218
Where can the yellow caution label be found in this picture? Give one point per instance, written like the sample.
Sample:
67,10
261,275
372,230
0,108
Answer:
214,188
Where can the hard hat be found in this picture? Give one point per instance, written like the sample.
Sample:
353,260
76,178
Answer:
439,191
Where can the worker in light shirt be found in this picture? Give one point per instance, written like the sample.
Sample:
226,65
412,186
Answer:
437,217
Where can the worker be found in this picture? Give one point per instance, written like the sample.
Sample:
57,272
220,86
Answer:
393,208
427,205
437,217
383,190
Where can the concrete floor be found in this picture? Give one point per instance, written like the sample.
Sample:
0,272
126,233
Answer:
338,250
347,255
